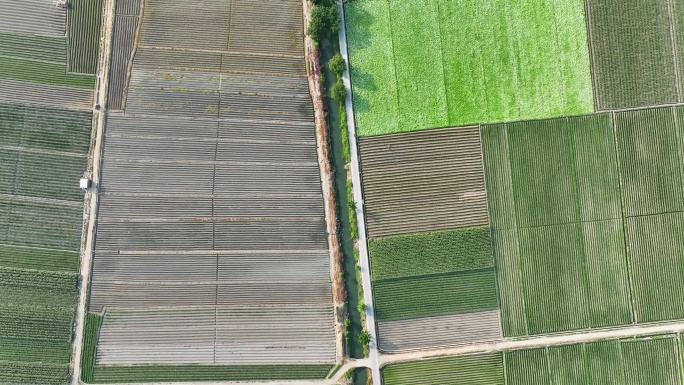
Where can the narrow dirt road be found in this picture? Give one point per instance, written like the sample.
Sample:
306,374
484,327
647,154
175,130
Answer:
91,199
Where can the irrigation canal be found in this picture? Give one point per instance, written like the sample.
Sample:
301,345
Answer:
328,50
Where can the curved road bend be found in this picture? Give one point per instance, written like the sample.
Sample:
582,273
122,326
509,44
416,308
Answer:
358,198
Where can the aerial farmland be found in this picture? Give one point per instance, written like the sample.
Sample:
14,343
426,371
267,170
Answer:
521,170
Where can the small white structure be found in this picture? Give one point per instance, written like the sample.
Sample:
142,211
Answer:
85,183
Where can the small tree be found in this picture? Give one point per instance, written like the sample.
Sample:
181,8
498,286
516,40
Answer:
337,64
364,338
338,92
323,21
361,307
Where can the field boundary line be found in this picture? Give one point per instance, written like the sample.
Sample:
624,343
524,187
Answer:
355,170
673,46
91,199
592,56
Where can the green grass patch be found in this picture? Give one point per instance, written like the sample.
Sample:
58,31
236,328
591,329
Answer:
91,332
440,294
532,61
431,253
344,135
40,259
473,370
85,21
41,72
33,47
633,60
34,373
156,373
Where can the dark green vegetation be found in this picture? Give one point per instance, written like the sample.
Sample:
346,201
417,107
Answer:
431,253
156,373
85,21
633,60
40,72
649,148
90,333
646,361
42,155
438,273
324,21
531,61
31,47
576,206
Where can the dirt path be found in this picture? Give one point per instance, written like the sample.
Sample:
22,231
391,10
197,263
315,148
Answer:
91,199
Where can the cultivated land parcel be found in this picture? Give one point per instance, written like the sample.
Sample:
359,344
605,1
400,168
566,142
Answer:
552,209
47,57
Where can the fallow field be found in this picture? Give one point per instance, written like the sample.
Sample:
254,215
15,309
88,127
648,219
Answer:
45,126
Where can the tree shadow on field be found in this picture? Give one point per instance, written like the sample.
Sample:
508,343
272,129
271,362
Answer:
360,79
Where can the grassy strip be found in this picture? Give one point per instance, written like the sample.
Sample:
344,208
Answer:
91,330
351,209
481,369
157,373
431,253
441,294
40,72
85,21
33,373
344,134
33,47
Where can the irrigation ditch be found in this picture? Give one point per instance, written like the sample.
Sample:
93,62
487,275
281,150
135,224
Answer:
354,325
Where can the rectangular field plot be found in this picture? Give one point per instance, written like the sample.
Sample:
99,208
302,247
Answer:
477,370
632,362
633,56
532,61
554,202
85,21
650,146
423,181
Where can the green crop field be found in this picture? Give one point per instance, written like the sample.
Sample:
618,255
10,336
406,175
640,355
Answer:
156,373
85,21
632,52
532,61
42,72
450,293
38,258
555,209
90,334
431,253
470,370
33,47
646,361
21,373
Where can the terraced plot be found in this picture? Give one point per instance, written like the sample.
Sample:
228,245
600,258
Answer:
532,61
211,255
636,51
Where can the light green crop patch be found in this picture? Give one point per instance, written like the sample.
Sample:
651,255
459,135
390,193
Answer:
419,64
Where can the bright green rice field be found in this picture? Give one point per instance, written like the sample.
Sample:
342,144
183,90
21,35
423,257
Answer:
531,61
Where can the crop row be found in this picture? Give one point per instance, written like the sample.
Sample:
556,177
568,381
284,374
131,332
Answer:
34,373
33,47
435,294
32,16
48,95
84,22
90,333
37,278
40,225
483,369
52,324
38,259
123,44
45,128
439,330
43,72
150,373
431,253
32,350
